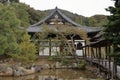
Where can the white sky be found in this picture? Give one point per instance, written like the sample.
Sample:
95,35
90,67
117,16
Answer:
82,7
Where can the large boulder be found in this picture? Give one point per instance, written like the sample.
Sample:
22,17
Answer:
19,71
6,71
30,71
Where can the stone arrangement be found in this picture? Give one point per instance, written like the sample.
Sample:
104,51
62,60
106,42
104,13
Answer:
16,70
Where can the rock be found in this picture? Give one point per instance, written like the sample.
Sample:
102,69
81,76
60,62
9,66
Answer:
46,66
69,67
74,65
15,70
7,72
3,68
19,71
81,78
58,65
38,68
64,67
22,71
92,79
16,73
49,78
29,71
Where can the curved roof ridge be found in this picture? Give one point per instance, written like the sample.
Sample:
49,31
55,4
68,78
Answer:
68,19
52,13
41,21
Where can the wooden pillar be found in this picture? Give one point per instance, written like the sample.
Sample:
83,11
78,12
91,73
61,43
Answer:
96,53
88,51
85,51
88,58
109,62
50,47
106,56
92,54
102,58
115,69
99,50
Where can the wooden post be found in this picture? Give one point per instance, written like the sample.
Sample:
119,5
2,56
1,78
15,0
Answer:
96,53
85,51
50,47
102,59
92,55
106,56
99,50
115,69
88,54
88,51
109,62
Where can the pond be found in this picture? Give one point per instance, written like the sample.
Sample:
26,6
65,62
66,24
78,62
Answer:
59,74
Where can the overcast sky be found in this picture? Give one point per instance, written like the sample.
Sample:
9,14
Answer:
82,7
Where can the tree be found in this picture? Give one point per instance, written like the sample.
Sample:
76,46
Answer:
100,20
3,1
9,27
92,22
14,41
21,11
113,29
11,1
15,1
35,15
28,50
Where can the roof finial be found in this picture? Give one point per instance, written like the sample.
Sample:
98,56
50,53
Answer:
56,7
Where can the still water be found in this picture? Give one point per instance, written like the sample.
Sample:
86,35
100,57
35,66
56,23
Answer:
60,74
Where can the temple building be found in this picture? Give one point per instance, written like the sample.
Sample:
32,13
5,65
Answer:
57,17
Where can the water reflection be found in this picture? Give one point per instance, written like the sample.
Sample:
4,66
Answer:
60,74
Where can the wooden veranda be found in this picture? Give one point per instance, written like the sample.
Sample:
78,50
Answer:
97,54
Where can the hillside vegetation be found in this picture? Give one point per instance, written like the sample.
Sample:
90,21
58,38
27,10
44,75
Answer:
29,15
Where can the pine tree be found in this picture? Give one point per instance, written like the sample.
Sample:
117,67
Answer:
113,29
28,50
8,30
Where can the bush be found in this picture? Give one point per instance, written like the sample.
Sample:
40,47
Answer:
82,64
28,50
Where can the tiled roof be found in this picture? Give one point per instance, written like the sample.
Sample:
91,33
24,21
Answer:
37,27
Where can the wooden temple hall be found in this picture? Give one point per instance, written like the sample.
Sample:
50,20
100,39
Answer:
57,17
95,52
